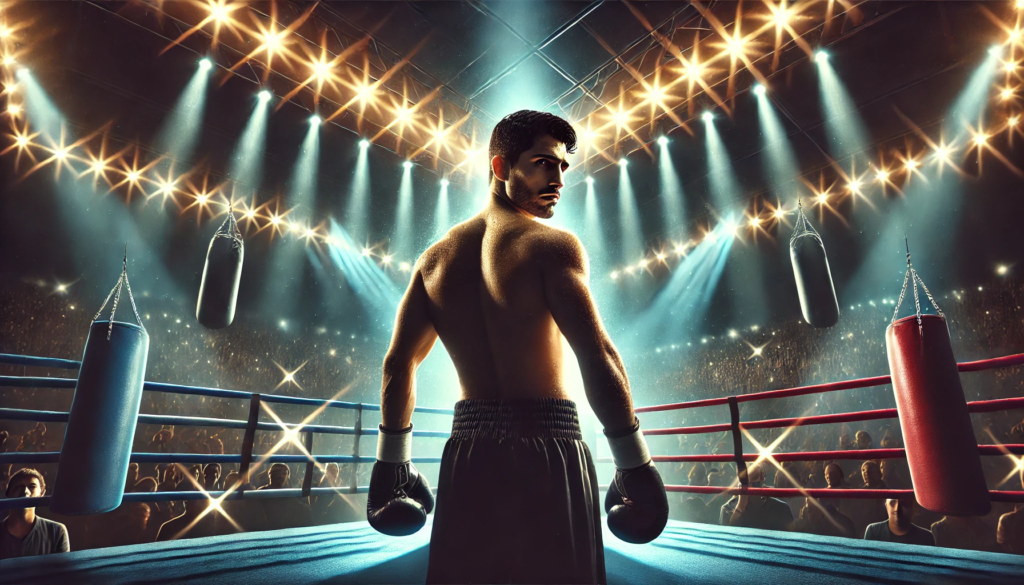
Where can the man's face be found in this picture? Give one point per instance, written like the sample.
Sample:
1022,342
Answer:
536,179
212,475
863,441
901,512
25,486
278,477
870,474
833,475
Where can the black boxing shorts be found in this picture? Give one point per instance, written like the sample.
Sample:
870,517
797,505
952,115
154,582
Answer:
517,497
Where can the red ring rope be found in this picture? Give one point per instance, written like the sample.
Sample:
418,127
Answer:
821,493
1000,362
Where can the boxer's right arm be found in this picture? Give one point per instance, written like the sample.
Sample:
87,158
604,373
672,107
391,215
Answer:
636,502
566,275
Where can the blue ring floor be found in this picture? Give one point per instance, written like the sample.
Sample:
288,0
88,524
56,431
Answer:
354,553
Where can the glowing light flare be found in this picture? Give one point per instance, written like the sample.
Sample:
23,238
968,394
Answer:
289,376
1007,93
756,350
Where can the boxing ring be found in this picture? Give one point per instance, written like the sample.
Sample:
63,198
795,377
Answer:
354,553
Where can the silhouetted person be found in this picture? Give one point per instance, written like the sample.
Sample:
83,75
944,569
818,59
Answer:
823,519
899,527
283,512
22,533
1010,531
132,478
963,532
134,528
211,477
756,511
194,523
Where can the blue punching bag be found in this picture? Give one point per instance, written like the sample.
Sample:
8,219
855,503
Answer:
218,291
813,278
101,426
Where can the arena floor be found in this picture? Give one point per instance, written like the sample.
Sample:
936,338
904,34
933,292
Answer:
354,553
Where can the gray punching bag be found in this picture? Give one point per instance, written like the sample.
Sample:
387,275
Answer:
813,278
218,291
101,426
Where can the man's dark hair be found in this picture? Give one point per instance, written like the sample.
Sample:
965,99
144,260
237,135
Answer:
517,132
29,472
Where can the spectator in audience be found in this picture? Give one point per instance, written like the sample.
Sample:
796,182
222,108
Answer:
899,527
963,532
211,477
133,528
823,519
22,533
3,441
698,474
246,515
193,523
891,475
756,511
133,477
1010,530
283,512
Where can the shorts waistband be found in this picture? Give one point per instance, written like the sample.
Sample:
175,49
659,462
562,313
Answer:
520,418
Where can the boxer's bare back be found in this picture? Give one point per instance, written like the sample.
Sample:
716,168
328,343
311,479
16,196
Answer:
500,290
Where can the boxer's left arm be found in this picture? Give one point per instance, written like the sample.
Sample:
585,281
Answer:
399,498
411,342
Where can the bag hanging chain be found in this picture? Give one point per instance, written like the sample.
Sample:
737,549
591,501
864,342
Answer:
229,229
116,294
802,226
912,277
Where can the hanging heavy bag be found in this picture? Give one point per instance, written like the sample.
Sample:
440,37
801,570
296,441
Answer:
942,453
813,278
101,426
218,290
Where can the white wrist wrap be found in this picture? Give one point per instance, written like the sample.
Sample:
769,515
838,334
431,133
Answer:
394,447
629,452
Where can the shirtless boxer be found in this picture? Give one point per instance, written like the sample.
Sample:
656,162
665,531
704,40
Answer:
518,496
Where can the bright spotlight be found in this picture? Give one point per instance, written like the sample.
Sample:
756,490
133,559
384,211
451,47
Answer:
1002,269
22,73
264,95
707,116
623,162
822,197
821,57
882,175
364,143
760,90
590,180
980,139
205,64
779,213
995,51
754,222
444,182
663,140
13,109
314,120
407,164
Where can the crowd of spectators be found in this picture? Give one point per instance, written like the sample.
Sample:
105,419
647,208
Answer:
334,363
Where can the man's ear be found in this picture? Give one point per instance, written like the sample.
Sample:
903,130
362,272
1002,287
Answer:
500,168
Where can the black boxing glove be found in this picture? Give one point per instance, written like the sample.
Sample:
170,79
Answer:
636,503
399,498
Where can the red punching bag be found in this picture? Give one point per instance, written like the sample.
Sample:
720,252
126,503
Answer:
942,453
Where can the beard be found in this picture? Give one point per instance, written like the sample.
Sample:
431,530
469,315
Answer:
530,202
